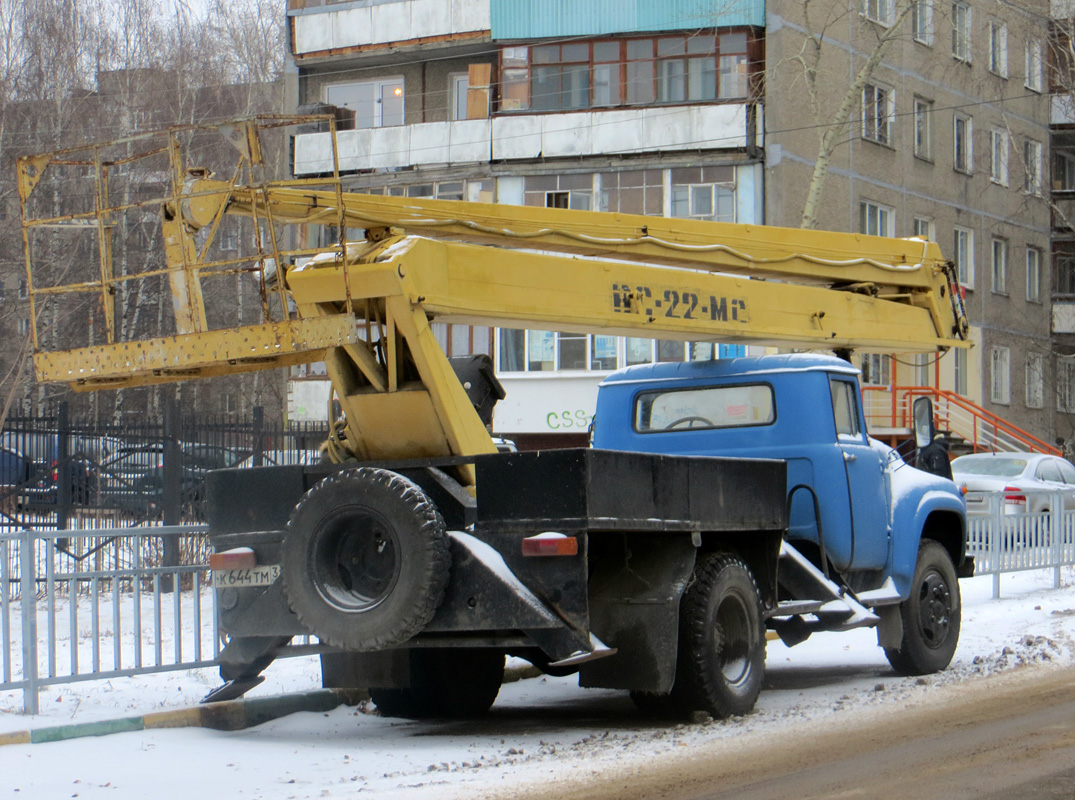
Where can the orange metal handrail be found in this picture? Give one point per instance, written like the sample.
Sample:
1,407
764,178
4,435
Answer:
982,421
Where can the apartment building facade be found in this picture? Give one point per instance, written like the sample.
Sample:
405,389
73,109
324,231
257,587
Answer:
682,109
949,141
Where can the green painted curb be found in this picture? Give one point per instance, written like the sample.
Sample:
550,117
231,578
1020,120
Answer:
81,729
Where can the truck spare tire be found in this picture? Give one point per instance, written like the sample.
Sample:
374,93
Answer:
366,559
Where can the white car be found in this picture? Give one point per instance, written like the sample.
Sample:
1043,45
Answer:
1029,481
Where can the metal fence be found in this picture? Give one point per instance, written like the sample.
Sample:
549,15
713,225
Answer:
92,604
1039,533
58,471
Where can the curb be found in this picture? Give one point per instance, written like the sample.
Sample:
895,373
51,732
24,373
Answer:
229,715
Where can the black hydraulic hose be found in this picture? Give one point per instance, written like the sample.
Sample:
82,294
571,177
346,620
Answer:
817,518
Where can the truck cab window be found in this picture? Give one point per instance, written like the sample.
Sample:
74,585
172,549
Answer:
844,408
711,407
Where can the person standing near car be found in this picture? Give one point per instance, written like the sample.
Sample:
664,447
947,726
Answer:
933,458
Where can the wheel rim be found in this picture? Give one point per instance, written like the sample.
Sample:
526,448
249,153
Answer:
934,609
733,639
354,560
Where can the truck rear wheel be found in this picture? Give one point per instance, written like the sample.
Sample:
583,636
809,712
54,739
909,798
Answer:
445,682
930,616
721,661
365,562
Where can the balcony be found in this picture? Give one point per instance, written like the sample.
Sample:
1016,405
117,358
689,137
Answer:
335,28
529,136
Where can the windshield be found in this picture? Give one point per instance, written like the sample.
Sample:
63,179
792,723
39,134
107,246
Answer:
996,467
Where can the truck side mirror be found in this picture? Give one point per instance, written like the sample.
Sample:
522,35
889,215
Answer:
924,430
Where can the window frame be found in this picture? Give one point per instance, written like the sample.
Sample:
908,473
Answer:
964,255
998,48
922,22
962,30
1034,256
1032,167
1033,65
379,84
963,144
999,146
878,113
999,263
885,216
1000,375
455,79
881,12
922,115
1065,385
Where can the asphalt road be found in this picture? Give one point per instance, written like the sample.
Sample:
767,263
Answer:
1010,737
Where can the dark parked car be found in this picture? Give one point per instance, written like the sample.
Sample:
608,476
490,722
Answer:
38,489
133,480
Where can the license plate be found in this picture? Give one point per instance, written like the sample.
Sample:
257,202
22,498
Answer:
241,578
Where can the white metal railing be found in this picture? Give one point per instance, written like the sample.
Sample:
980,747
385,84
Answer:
1010,539
82,605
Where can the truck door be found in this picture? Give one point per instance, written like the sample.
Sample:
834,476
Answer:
867,491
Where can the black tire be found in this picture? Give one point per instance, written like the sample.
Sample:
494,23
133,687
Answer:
721,663
365,562
445,682
931,615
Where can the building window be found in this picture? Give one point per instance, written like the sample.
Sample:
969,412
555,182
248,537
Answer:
704,193
923,115
1033,275
922,22
1001,386
551,351
876,369
633,192
879,11
963,138
959,371
961,29
24,327
998,156
1065,384
998,48
559,191
963,255
878,109
1032,167
876,219
1035,381
377,104
922,363
458,86
1033,65
667,69
923,228
1064,269
560,76
1000,266
1063,171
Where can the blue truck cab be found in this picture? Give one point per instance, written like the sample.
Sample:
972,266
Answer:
858,512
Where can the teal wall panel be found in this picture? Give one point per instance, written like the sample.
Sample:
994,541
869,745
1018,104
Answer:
539,19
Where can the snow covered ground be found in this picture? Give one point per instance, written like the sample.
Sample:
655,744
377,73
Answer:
538,729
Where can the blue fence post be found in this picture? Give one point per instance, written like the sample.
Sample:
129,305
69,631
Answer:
28,595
